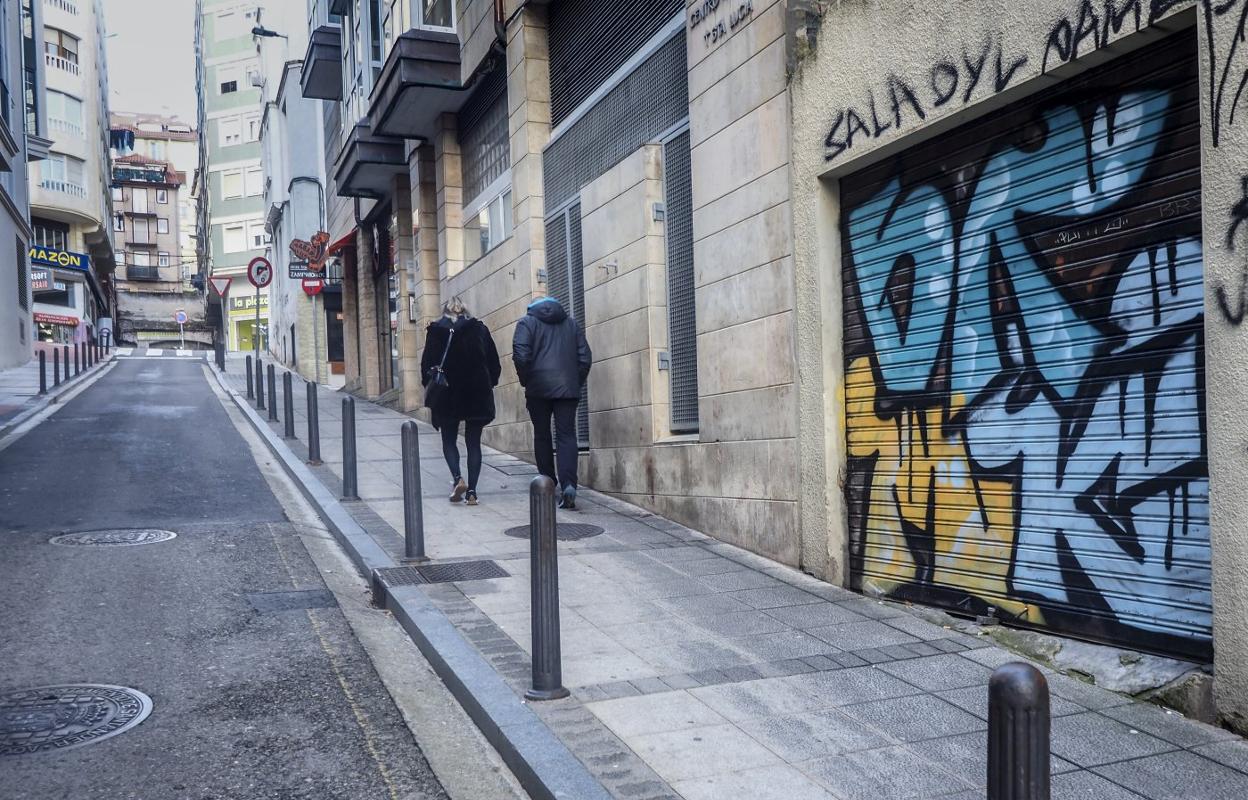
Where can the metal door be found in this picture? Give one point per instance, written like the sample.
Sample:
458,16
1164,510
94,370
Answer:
1024,401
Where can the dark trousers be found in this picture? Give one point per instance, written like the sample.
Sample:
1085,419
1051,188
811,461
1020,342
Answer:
450,449
544,451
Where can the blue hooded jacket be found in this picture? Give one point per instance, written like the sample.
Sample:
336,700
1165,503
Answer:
549,350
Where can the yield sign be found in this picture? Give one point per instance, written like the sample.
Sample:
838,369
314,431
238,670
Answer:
221,286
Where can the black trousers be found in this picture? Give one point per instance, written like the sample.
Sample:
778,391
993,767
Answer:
450,449
544,451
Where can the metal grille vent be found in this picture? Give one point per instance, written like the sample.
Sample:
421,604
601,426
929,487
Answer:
565,281
451,572
483,133
683,334
653,98
564,531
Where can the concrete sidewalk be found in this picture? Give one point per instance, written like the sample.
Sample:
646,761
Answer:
699,670
19,387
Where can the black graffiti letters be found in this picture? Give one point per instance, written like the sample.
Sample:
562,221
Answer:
1089,29
907,101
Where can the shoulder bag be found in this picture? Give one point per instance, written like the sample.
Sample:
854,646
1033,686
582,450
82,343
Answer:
438,386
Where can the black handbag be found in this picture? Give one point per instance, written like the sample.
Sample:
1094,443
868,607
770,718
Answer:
438,385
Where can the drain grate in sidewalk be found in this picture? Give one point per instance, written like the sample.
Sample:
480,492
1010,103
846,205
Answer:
451,572
564,531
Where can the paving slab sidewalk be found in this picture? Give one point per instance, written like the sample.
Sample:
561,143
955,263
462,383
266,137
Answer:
19,388
699,670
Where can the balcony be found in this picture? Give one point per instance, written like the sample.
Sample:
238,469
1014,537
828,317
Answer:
134,273
61,63
367,164
140,241
322,66
65,187
65,126
419,82
67,6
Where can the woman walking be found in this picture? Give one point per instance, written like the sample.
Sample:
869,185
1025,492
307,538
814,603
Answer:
461,347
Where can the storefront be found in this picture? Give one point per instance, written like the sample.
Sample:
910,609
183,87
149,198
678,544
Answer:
64,295
243,322
56,328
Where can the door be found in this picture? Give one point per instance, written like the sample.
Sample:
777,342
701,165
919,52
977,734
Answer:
1024,407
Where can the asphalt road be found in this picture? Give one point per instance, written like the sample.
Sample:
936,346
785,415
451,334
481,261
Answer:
248,705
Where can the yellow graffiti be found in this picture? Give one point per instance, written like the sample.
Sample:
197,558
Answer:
921,474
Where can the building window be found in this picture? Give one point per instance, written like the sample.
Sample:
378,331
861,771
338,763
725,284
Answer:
162,196
257,236
120,257
251,128
486,228
234,238
64,173
118,194
162,225
138,200
58,43
162,259
438,14
254,181
227,77
141,259
50,234
252,73
119,223
65,112
483,135
230,131
231,184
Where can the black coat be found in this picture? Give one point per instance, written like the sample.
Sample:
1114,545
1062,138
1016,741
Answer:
550,352
471,367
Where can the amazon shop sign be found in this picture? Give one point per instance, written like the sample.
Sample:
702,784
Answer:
47,257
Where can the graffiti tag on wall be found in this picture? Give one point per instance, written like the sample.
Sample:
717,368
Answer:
1025,404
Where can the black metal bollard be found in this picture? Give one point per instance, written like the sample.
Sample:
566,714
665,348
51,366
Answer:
65,350
259,384
77,360
350,488
314,426
272,394
56,367
544,555
288,406
43,372
250,392
413,507
1018,733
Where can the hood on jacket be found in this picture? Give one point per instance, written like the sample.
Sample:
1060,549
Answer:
548,310
459,323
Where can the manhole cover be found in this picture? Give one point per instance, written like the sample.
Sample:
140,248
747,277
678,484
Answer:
450,572
122,537
564,531
49,718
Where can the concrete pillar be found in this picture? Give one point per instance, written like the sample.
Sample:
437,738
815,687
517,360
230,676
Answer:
350,318
409,331
425,212
450,198
528,111
366,302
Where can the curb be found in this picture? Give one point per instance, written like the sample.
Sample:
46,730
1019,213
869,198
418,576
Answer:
543,764
41,402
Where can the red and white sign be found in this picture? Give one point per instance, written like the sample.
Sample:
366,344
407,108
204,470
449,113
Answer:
221,286
56,319
313,286
260,272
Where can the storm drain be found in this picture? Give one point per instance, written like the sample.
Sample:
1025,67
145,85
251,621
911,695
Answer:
54,718
118,537
451,572
564,531
273,602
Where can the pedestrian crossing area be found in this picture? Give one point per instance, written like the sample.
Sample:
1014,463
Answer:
156,352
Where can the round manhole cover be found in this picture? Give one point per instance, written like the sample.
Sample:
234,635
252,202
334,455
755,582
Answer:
49,718
123,537
564,531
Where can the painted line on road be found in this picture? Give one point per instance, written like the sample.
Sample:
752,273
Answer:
545,766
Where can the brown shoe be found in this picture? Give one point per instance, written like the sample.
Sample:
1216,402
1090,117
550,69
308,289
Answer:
457,493
471,497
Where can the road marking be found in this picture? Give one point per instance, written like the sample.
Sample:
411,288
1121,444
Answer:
124,351
152,352
183,352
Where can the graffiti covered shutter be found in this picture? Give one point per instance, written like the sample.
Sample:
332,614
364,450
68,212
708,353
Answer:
1025,410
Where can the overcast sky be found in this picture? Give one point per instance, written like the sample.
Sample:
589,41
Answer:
151,56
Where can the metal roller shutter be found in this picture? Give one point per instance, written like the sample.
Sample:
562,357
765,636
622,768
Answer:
681,304
1025,411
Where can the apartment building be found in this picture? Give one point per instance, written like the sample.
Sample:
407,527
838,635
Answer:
71,246
232,184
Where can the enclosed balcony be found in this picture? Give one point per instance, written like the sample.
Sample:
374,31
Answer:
368,163
419,82
322,66
137,273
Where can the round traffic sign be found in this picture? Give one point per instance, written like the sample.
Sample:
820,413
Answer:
179,316
313,286
260,272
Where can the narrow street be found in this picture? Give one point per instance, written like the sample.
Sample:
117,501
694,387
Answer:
244,643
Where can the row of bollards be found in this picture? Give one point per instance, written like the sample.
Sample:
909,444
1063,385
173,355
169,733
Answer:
86,355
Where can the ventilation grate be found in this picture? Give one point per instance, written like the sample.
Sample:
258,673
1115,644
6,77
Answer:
450,572
564,531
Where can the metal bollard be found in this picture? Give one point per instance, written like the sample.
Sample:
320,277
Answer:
544,555
272,394
43,372
56,367
288,406
77,361
65,350
314,426
1018,733
250,392
350,488
259,384
413,507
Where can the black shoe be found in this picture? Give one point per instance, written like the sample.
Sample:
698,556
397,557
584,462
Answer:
458,490
568,500
471,497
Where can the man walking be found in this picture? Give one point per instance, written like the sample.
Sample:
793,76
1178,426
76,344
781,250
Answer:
552,360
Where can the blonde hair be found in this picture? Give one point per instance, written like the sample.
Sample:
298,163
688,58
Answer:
455,308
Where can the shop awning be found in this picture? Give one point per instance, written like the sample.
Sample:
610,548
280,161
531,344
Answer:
341,243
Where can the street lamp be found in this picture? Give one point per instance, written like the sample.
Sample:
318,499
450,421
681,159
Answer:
265,33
